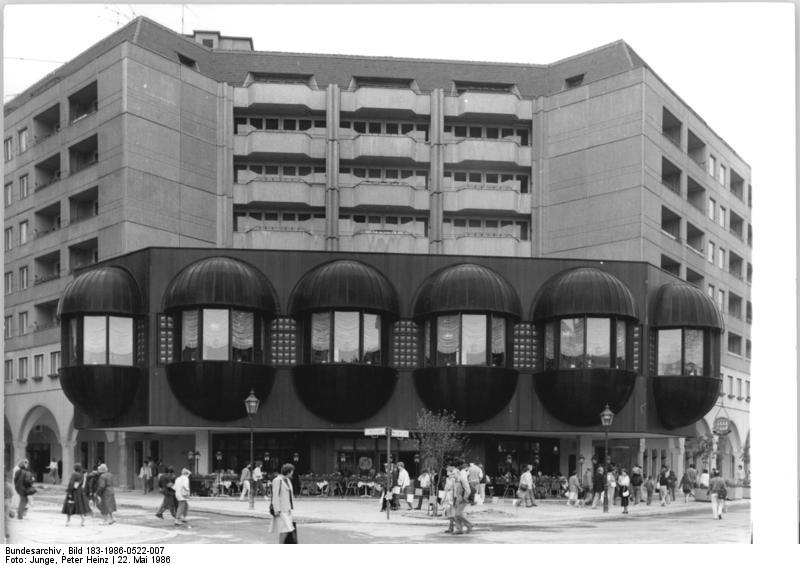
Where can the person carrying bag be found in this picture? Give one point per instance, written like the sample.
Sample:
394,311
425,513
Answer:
282,505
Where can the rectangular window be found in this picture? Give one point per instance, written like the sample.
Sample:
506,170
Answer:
711,208
94,340
23,187
598,342
427,344
120,341
345,337
23,369
711,251
722,175
9,191
23,140
72,342
721,258
23,323
215,334
712,165
9,370
711,292
8,149
473,339
55,362
9,237
693,347
448,333
23,232
622,342
7,329
550,346
38,365
739,387
498,341
242,336
669,352
722,216
372,338
721,300
730,386
392,129
189,336
572,333
9,282
320,337
734,344
289,124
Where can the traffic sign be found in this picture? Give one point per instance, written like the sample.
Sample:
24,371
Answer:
380,431
399,433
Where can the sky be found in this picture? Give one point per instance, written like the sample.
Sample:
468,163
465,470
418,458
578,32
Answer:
733,63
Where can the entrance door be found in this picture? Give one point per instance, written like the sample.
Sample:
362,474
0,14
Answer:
39,459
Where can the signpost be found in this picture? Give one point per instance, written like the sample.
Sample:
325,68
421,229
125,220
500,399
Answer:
390,433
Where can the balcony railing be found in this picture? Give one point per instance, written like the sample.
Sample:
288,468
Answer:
39,279
41,233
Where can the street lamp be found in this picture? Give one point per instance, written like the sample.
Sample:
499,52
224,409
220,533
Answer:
606,418
251,405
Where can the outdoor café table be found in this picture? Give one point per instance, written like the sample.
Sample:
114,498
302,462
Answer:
368,486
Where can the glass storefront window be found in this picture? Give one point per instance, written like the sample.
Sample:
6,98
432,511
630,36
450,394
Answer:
372,338
242,336
345,337
669,352
622,342
693,363
354,337
72,352
215,334
320,337
498,341
94,340
120,341
473,339
572,343
598,342
550,345
447,338
189,335
427,347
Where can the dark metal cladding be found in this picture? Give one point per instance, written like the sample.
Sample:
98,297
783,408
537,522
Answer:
681,304
105,290
473,393
682,401
222,281
216,390
344,284
103,392
344,393
466,287
583,291
577,397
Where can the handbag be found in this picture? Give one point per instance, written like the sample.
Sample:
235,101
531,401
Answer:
272,510
291,537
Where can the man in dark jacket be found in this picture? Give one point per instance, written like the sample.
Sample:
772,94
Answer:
23,485
598,486
166,481
636,484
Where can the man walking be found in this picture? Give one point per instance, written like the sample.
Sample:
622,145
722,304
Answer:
404,483
636,484
424,480
145,474
598,486
245,479
182,494
663,485
717,491
166,484
461,495
474,475
573,488
258,484
587,485
525,489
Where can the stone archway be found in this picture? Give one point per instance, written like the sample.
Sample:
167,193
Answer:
40,440
8,446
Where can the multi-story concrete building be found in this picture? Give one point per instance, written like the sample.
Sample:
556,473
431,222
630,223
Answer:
151,139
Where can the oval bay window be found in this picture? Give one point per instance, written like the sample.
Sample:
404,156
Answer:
343,310
687,328
101,316
586,317
222,309
466,312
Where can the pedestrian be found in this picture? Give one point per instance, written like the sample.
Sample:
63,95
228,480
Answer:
573,489
75,502
481,497
587,486
461,500
395,475
663,485
741,475
650,487
474,475
53,471
23,485
388,497
672,483
624,489
448,501
105,494
598,486
718,491
182,494
145,474
636,484
91,488
424,481
705,479
258,477
9,512
692,474
166,485
525,488
611,485
686,486
404,483
246,476
283,505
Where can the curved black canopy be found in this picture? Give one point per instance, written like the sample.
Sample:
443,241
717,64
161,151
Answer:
344,284
583,291
221,281
105,290
466,287
681,304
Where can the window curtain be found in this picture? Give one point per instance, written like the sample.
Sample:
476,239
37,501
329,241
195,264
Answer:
572,343
622,345
498,341
120,341
694,352
189,335
320,337
598,342
669,352
372,338
215,334
242,335
345,337
473,339
550,345
72,352
94,340
447,339
427,347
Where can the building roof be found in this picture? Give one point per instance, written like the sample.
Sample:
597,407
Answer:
105,290
682,304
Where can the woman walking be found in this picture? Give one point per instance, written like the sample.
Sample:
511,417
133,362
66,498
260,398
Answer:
624,489
76,502
105,493
686,487
282,506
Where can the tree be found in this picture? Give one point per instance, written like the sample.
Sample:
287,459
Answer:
441,439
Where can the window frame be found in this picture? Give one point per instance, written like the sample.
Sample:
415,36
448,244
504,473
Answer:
8,149
261,341
708,361
383,353
430,340
613,355
76,348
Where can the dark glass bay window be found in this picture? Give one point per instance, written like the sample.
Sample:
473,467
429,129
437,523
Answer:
465,339
345,337
100,340
586,343
682,351
222,335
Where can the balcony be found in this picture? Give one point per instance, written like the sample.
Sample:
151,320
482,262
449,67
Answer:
307,190
393,195
488,105
386,148
502,197
385,241
394,102
503,152
486,244
280,239
279,97
279,144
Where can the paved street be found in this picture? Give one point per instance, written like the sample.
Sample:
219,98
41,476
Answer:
357,520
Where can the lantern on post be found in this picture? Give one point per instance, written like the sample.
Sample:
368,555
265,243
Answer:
251,404
606,418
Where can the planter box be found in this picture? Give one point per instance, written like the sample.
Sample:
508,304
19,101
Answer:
746,492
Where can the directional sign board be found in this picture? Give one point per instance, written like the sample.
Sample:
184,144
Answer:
380,431
398,433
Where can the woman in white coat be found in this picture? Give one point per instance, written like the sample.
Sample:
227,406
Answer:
283,503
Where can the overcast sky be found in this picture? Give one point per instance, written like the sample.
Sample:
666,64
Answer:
733,63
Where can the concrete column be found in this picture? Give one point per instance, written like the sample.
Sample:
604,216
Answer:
67,458
122,466
677,450
20,452
332,109
436,174
640,454
585,449
202,444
